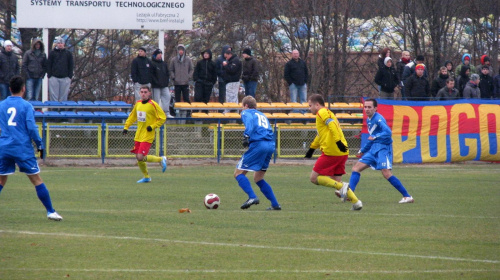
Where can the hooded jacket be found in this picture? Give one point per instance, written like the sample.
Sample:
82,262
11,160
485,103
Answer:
459,67
462,79
438,83
387,79
60,63
35,62
232,71
159,73
218,63
181,68
417,88
204,71
9,66
250,70
471,90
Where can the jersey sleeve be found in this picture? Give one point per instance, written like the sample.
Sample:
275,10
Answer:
160,116
132,118
248,122
332,123
33,128
384,131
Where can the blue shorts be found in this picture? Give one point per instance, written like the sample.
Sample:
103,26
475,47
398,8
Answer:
8,166
379,160
257,157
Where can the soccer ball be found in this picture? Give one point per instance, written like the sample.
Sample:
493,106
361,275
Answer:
212,201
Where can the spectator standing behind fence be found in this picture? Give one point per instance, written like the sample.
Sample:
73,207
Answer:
35,68
141,72
486,84
181,71
463,79
449,92
449,66
496,86
440,81
9,67
159,81
232,72
60,71
465,62
410,67
400,67
296,76
417,86
472,90
250,74
386,52
205,76
485,63
387,79
220,74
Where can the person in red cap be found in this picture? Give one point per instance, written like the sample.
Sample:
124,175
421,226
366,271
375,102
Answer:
416,86
485,63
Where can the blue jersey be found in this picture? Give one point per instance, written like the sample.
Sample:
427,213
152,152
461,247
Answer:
18,129
257,126
378,129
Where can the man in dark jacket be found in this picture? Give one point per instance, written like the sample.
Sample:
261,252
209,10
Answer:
232,72
220,73
462,79
486,84
60,71
35,68
471,90
159,81
449,92
400,67
9,67
141,72
296,76
387,79
440,81
417,87
205,77
250,74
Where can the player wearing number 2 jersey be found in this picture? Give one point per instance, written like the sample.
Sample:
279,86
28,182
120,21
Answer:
17,131
259,138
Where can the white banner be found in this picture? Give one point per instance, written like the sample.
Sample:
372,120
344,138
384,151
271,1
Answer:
120,14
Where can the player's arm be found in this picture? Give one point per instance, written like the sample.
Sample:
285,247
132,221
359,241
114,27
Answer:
384,130
160,117
132,118
33,129
334,127
247,120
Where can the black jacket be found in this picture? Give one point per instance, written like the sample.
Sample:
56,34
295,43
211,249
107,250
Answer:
486,86
387,79
218,63
159,74
417,88
232,71
35,66
462,80
250,70
438,84
204,71
60,64
141,70
296,72
9,66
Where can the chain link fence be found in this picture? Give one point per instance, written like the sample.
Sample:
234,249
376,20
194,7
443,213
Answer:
180,140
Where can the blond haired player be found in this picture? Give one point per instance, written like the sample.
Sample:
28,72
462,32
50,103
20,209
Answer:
330,166
149,116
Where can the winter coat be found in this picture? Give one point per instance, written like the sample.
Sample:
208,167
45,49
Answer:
472,91
35,65
438,84
417,88
446,94
462,80
486,86
159,73
250,70
233,69
204,71
400,67
471,67
181,68
296,72
60,63
218,63
9,66
387,79
410,70
141,70
496,87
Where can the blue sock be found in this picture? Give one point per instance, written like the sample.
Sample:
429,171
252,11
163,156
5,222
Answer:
266,189
397,184
245,185
1,187
354,180
44,196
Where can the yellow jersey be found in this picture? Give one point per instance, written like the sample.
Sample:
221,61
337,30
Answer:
149,114
329,132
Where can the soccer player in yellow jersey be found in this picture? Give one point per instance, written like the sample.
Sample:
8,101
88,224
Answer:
149,116
330,166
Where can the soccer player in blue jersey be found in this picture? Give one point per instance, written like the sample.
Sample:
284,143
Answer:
18,129
259,138
377,153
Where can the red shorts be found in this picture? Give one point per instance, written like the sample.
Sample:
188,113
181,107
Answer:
141,148
330,165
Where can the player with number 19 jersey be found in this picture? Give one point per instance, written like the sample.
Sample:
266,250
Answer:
17,120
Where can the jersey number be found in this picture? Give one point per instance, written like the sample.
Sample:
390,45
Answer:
12,112
262,121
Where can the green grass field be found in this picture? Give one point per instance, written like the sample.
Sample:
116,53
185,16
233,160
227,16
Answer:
114,228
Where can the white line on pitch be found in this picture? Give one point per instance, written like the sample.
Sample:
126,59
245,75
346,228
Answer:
247,246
